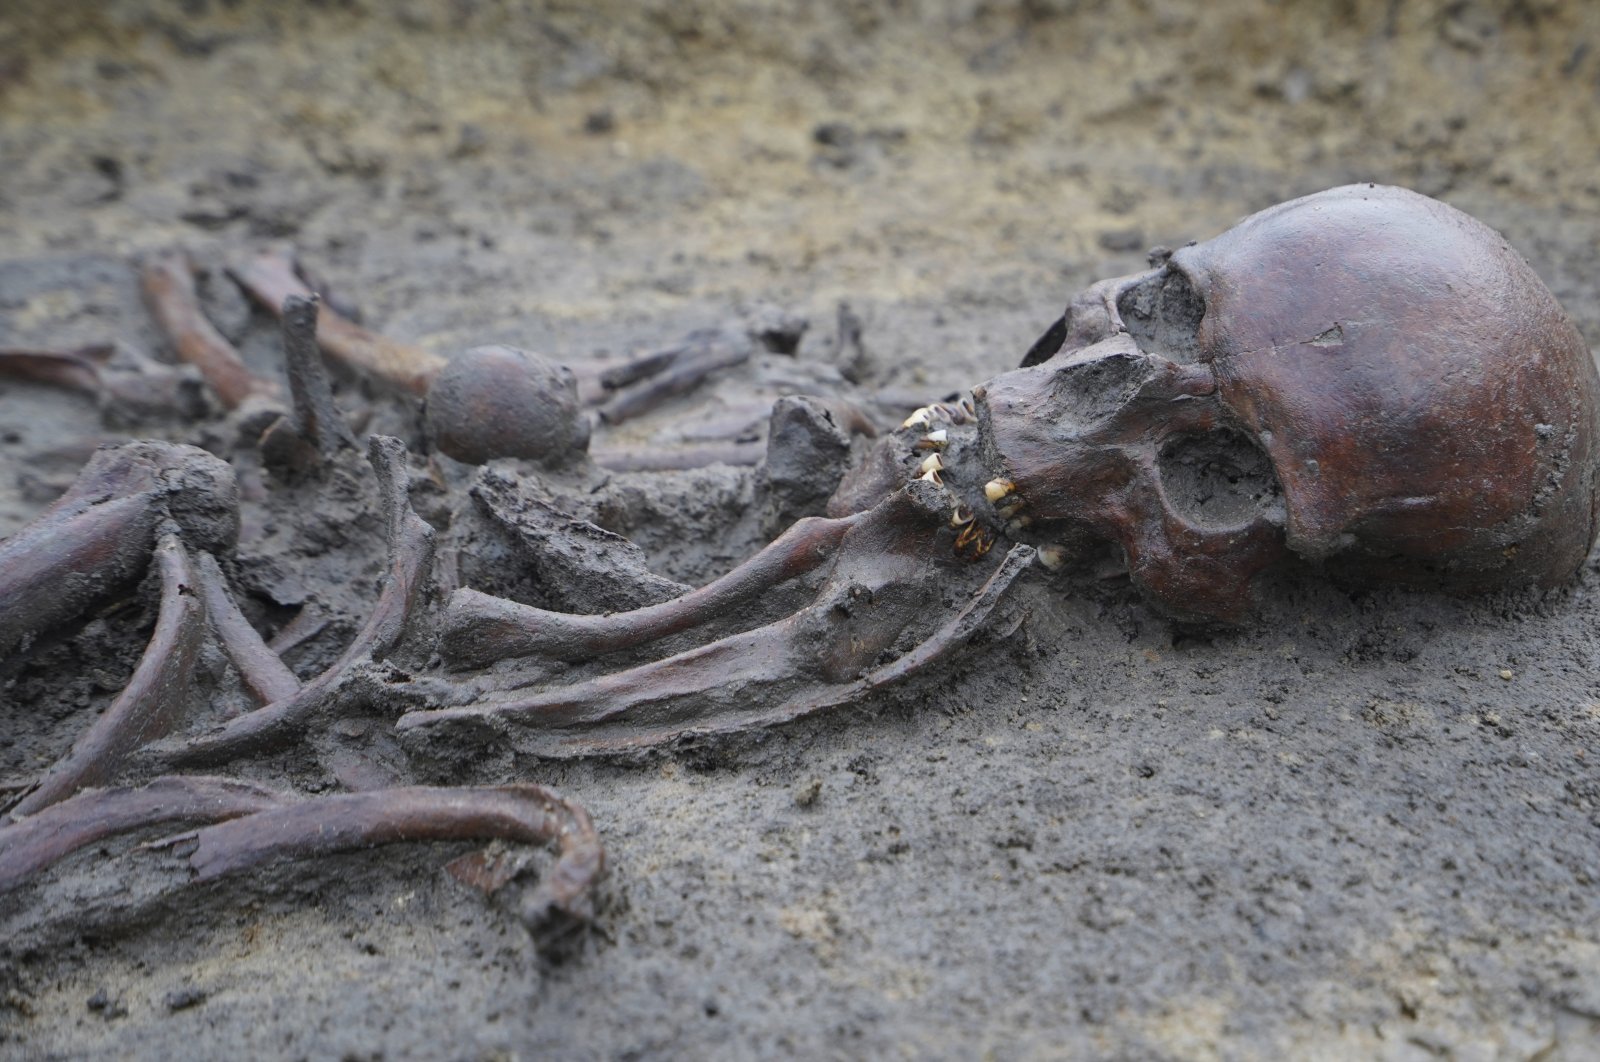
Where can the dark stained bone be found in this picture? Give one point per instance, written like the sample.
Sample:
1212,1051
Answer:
249,826
529,814
701,354
150,704
270,279
261,670
1364,377
410,547
479,629
882,578
139,389
167,280
316,419
96,539
498,401
620,733
30,845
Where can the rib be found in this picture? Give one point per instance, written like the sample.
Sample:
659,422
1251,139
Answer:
270,279
261,669
149,706
529,814
167,280
34,843
604,730
410,548
479,629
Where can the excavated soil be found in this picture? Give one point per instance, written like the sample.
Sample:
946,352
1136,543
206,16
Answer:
1362,825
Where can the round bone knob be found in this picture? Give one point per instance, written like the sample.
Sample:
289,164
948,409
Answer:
498,401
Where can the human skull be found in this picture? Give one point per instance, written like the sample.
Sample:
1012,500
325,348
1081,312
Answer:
1364,377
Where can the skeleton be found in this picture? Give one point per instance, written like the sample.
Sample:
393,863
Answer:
1297,387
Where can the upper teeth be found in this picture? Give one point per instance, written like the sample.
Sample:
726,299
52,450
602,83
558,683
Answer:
996,489
932,463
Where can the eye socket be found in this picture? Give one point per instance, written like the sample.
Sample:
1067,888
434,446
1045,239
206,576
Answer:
1163,313
1048,345
1218,479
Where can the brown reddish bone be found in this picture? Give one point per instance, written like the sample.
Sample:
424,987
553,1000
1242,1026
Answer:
480,629
618,732
410,547
167,280
267,827
31,845
140,388
97,538
882,580
656,378
263,672
1364,377
155,696
529,814
270,279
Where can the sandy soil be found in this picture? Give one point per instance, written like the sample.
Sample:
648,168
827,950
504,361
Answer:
1336,832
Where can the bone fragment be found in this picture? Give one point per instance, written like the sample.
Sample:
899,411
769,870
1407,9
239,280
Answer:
30,845
167,280
410,547
316,419
137,390
150,705
262,671
97,538
479,629
701,355
270,279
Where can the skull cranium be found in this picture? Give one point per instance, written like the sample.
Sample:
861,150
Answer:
1364,377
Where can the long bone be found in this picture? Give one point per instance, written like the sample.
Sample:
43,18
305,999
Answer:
270,279
167,280
132,388
479,629
97,538
883,578
149,706
410,544
245,826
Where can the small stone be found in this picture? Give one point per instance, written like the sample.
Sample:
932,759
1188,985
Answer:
806,794
1507,674
184,998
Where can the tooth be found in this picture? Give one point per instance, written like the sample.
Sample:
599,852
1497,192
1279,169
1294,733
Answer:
919,419
932,463
937,439
960,516
996,489
985,543
932,476
1021,523
1052,557
968,534
1010,507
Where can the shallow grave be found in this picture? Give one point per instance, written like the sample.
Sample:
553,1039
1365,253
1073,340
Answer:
1028,814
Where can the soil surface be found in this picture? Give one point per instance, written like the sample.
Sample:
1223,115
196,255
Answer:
1361,825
